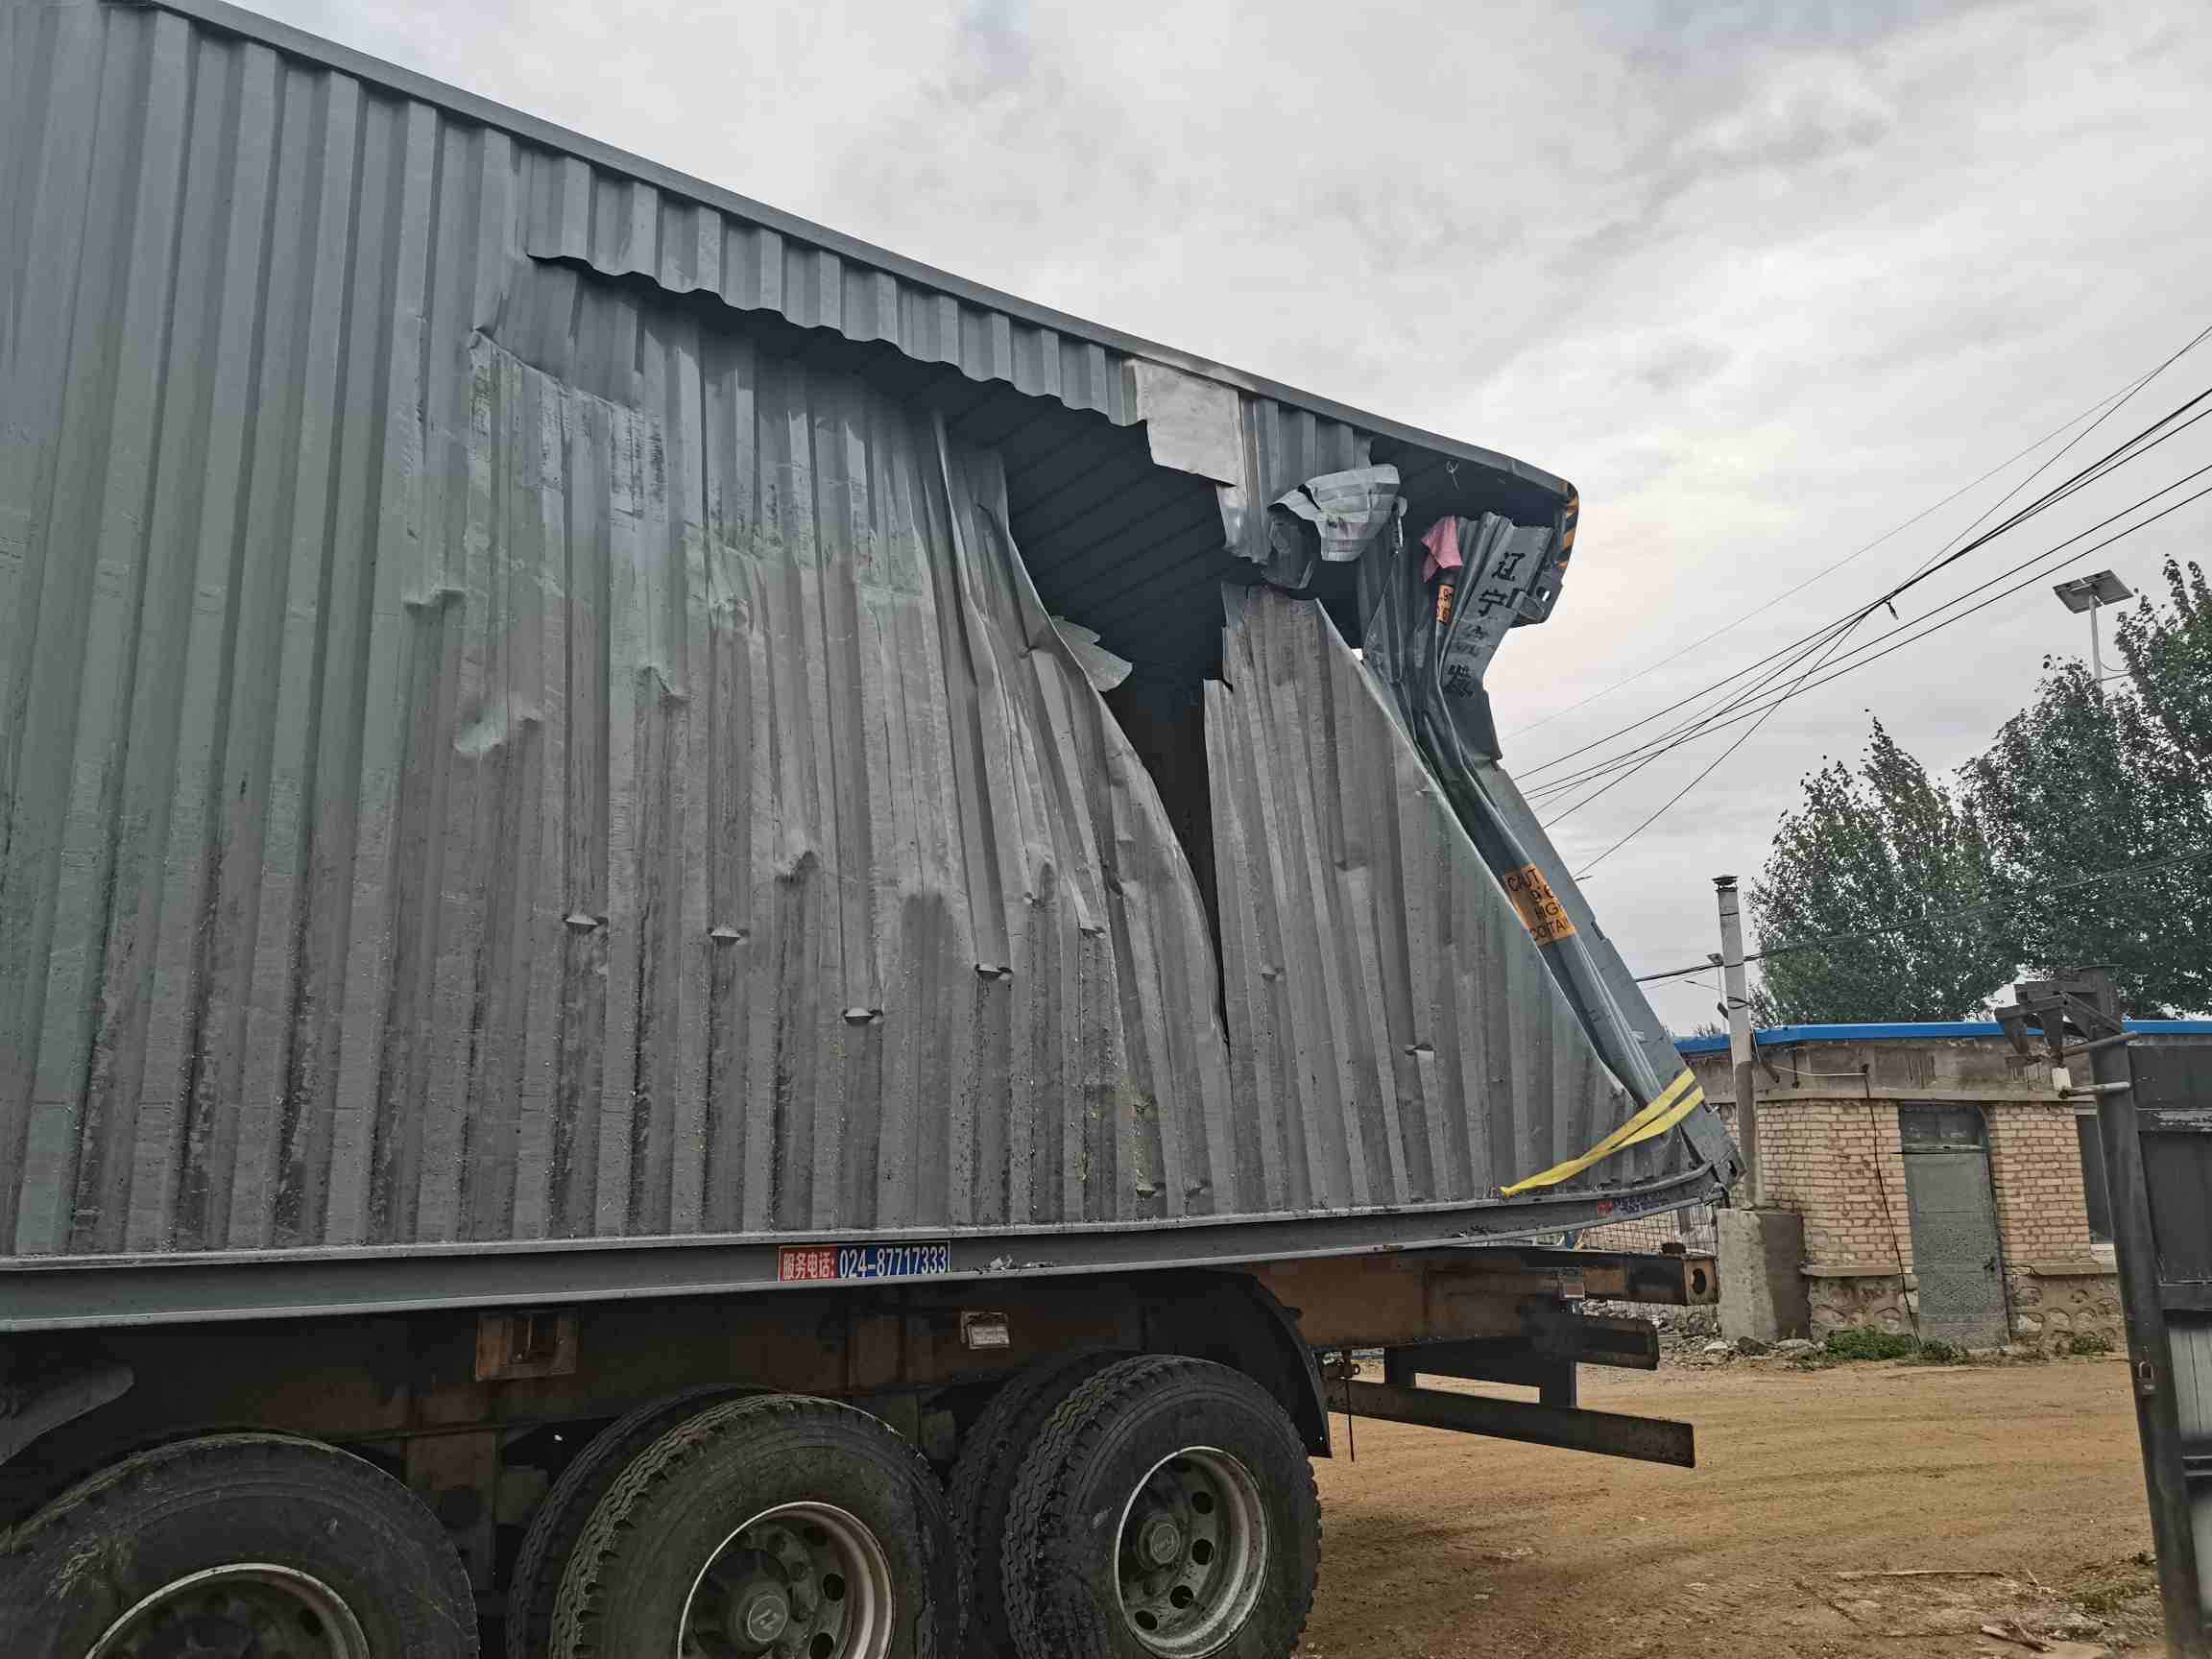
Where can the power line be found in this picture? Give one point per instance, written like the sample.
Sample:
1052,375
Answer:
1737,710
2051,559
1823,572
2110,404
1795,651
1742,738
1617,770
1915,632
1923,921
2196,341
1839,671
2125,451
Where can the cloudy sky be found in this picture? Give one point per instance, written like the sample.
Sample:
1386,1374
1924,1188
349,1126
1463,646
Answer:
1765,281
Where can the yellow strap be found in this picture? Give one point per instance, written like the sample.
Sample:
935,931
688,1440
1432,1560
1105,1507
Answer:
1675,1102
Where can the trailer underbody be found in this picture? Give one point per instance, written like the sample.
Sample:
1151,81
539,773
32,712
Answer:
481,1415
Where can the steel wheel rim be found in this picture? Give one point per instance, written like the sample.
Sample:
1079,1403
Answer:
798,1582
1190,1554
290,1614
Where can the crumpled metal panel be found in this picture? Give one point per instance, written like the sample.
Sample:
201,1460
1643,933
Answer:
1429,636
488,755
1395,1034
489,752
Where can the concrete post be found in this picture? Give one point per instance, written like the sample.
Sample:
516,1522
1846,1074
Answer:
1762,1274
1739,1000
1762,1251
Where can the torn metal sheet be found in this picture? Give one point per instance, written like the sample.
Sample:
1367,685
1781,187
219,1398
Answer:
1191,423
523,718
1100,666
1282,448
1345,509
1430,629
1396,1035
591,777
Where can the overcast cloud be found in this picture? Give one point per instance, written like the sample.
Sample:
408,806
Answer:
1763,281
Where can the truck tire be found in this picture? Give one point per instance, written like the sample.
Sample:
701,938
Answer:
561,1515
983,1486
1167,1512
258,1543
773,1522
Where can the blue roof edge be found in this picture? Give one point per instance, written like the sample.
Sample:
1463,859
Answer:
1902,1031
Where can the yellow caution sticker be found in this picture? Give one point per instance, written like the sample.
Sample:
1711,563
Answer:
1674,1103
1543,916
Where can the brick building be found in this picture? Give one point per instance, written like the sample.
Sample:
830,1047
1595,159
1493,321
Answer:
1947,1188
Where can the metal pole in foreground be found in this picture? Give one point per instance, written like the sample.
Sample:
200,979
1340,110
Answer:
1739,1000
2150,1336
2096,646
2080,1016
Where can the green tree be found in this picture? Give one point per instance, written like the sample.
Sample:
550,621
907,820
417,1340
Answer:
2089,778
1874,861
2170,659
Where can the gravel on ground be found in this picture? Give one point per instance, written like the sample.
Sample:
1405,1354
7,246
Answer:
1874,1509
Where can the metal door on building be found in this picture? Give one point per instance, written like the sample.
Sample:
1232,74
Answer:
1954,1212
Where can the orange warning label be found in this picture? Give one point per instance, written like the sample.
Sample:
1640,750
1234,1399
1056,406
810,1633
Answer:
1531,895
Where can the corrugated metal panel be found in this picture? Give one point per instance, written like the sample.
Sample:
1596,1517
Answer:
822,287
490,752
1395,1034
623,227
1146,553
454,793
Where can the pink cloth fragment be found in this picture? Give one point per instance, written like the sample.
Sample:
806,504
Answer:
1443,545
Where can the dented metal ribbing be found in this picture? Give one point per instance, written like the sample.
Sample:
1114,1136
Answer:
1395,1033
488,757
682,819
493,750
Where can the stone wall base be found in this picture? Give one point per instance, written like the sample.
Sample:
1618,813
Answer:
1876,1303
2048,1313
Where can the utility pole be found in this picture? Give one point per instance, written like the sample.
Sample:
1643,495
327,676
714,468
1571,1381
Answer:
1739,1000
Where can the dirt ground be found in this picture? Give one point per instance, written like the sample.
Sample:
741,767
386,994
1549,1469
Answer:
1815,1489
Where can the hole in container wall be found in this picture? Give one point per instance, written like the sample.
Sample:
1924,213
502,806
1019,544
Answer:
1165,719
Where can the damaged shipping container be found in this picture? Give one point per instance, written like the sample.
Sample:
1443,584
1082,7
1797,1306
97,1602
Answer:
544,705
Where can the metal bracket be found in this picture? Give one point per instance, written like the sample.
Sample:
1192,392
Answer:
2054,1008
1648,1439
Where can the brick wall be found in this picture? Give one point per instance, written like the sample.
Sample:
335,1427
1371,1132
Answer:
1838,1162
1842,1166
2035,1169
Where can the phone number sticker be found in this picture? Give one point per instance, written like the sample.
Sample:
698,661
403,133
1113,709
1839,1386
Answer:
828,1263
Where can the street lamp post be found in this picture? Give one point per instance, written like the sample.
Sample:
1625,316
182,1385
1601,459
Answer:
2092,594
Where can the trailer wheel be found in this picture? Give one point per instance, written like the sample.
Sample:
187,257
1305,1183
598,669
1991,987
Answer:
771,1525
983,1486
235,1544
1167,1512
561,1515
